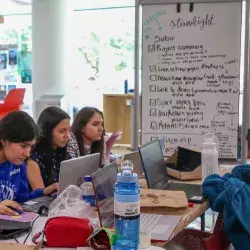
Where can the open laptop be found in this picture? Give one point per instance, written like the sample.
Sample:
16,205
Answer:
160,226
71,173
156,173
135,158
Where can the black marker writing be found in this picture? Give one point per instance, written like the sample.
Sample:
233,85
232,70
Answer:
196,22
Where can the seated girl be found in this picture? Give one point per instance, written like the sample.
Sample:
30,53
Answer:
86,135
18,133
43,166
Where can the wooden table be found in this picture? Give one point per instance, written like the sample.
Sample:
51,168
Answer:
191,213
188,216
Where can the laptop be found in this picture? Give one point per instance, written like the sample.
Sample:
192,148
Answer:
71,173
188,160
160,226
156,173
135,158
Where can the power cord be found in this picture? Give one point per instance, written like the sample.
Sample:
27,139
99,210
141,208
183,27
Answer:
30,230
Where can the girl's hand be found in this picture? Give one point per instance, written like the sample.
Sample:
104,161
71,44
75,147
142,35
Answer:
50,189
6,205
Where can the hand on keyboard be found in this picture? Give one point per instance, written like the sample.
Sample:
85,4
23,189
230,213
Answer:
50,189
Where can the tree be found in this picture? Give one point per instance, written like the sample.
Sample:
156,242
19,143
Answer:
123,48
91,55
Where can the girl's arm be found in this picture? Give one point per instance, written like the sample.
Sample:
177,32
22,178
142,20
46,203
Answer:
34,175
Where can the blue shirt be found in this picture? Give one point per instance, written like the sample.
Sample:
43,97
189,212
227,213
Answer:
14,183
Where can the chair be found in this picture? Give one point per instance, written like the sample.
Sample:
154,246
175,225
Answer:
110,143
12,101
192,239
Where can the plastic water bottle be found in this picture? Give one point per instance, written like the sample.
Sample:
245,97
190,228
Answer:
209,156
88,191
127,208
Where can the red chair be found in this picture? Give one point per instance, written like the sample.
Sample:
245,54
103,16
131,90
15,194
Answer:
192,239
110,143
12,102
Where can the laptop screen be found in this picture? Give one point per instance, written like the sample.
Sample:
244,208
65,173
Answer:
135,158
103,183
188,159
153,164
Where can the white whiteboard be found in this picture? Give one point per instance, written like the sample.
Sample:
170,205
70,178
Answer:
191,74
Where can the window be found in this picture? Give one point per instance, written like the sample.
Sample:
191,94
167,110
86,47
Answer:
104,58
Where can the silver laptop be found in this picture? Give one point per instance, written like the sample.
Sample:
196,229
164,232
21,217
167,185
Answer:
72,171
160,226
135,158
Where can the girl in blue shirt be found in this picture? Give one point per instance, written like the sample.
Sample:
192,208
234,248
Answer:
18,134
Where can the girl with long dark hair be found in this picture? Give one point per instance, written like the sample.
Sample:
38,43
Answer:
87,134
43,165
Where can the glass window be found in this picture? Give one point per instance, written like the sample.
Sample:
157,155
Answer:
104,42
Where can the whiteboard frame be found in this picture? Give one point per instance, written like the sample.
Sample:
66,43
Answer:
246,89
136,75
246,75
152,2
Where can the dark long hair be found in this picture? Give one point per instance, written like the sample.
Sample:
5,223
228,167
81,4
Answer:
81,120
17,126
47,121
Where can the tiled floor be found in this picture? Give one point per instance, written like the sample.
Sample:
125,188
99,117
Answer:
210,216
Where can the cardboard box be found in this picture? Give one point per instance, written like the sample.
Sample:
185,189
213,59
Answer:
185,164
19,246
163,199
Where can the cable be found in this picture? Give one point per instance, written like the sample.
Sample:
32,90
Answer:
32,224
16,240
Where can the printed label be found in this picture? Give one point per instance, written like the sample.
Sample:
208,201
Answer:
127,209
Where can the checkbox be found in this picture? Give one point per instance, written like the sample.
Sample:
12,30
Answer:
152,68
151,48
153,125
153,138
153,78
152,88
153,112
152,102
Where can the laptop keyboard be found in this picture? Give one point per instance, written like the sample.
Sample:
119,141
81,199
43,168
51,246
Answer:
35,204
149,221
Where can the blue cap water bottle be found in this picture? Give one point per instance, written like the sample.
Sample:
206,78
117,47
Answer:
127,208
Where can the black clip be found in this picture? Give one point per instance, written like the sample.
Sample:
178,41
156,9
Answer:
191,7
178,7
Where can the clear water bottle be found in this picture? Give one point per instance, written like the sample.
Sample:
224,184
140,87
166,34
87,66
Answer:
127,208
209,156
88,191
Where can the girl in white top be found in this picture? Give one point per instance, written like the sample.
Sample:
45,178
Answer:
87,135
